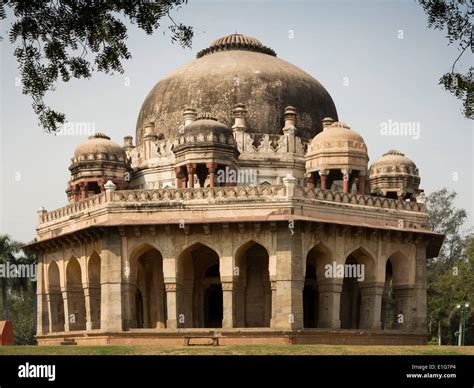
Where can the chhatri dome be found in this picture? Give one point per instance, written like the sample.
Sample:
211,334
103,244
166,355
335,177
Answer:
236,69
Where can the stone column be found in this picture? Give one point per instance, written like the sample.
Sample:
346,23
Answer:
66,308
212,169
82,190
111,282
362,184
273,285
88,305
41,303
128,289
402,295
419,306
323,175
371,305
177,172
346,173
287,306
171,305
191,168
228,305
329,303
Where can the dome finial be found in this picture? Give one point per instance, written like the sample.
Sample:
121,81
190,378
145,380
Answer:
236,42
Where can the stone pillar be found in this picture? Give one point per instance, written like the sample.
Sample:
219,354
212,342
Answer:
362,184
191,168
323,175
82,190
171,305
371,305
329,303
212,169
419,304
88,305
228,305
309,181
111,282
273,285
177,173
287,306
66,308
41,304
402,294
346,173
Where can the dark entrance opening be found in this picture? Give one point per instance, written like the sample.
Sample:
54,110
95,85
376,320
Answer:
213,311
139,309
308,306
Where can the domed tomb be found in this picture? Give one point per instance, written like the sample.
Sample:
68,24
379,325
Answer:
237,69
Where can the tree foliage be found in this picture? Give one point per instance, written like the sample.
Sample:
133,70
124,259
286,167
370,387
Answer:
454,16
451,274
18,293
64,39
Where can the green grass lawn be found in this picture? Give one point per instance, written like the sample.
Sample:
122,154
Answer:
237,350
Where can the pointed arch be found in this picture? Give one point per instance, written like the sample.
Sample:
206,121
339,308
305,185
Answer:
201,298
94,295
360,266
55,298
397,277
316,259
147,288
75,295
252,290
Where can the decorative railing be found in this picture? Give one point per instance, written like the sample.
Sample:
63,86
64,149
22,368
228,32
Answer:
357,199
74,208
231,193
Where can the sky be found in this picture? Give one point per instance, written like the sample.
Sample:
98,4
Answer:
377,59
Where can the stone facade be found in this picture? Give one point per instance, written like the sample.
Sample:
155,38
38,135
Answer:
287,248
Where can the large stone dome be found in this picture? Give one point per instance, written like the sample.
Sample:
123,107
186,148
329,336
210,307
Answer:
237,69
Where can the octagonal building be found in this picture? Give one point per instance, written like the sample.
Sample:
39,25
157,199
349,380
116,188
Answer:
243,212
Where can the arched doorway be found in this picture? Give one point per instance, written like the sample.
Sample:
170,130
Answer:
55,299
310,297
359,272
75,296
149,294
94,290
200,288
350,299
253,292
395,299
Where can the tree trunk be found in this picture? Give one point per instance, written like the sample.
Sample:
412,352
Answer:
5,299
439,332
